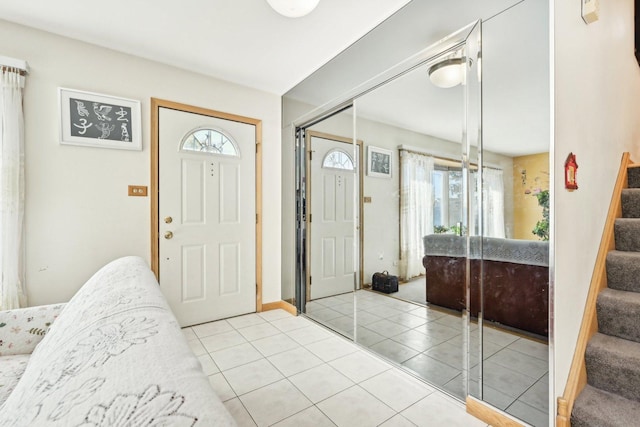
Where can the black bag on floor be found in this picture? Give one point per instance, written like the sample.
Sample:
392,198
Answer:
384,282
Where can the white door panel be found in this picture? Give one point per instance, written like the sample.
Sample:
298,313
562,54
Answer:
207,268
332,222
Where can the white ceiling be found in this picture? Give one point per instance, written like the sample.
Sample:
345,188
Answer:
241,41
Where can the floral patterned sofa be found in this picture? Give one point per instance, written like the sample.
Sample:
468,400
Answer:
114,356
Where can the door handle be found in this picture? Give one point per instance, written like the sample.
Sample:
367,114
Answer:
168,235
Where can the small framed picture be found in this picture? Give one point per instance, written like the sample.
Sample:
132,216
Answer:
379,164
96,120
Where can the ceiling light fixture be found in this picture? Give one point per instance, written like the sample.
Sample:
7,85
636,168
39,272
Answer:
293,8
448,73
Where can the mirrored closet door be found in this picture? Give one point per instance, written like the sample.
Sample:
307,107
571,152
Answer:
380,175
440,182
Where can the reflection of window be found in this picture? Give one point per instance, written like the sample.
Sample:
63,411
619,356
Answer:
337,159
209,141
447,194
447,200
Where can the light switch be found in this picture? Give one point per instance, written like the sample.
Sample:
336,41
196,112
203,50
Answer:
138,190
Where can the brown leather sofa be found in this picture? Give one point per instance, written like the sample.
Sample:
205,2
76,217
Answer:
514,275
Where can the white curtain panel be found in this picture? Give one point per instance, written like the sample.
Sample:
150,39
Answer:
416,211
474,202
493,203
11,190
493,191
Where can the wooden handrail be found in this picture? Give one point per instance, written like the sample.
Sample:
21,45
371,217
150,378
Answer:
578,373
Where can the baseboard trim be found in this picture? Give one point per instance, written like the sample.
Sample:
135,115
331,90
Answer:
280,304
489,415
563,418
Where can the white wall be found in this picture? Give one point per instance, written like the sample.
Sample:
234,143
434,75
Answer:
597,90
78,216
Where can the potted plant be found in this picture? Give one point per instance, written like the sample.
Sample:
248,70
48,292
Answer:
439,229
542,227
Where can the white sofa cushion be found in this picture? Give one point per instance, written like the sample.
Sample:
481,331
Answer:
11,369
116,356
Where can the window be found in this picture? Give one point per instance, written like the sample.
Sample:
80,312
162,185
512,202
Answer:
211,141
447,201
447,196
338,159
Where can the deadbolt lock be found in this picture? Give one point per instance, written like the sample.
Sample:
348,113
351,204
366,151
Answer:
168,220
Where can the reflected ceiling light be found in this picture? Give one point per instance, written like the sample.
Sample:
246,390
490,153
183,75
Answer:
448,73
293,8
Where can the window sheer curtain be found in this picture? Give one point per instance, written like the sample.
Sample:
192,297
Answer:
12,293
493,220
416,210
493,199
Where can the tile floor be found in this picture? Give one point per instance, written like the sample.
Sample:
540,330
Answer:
428,342
414,290
273,368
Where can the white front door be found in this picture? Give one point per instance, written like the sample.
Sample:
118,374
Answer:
207,215
333,176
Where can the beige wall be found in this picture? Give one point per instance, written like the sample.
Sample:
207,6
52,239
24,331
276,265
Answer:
597,88
78,216
526,211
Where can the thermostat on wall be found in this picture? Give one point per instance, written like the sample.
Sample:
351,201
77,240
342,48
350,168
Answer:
590,10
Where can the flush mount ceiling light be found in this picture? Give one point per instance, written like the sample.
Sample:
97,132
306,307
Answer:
448,73
293,8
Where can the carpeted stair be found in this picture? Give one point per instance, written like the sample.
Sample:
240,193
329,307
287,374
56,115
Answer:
611,397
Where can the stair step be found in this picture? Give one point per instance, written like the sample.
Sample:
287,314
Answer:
595,407
618,314
631,203
613,365
623,271
633,177
627,234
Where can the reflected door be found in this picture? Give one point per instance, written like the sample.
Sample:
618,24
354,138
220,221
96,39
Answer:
332,220
207,216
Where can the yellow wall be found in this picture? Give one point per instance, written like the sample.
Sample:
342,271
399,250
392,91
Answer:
526,211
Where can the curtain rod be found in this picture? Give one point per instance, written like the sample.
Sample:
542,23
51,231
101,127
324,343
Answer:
422,153
7,62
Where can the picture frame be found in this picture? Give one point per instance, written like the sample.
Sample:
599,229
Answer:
98,120
379,162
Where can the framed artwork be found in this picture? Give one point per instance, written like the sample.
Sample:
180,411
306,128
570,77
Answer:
379,162
96,120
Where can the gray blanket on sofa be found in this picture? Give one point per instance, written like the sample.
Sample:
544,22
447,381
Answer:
490,248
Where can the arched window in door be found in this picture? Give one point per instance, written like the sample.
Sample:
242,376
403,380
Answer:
338,159
210,141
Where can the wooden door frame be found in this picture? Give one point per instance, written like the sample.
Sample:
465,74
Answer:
156,104
308,135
